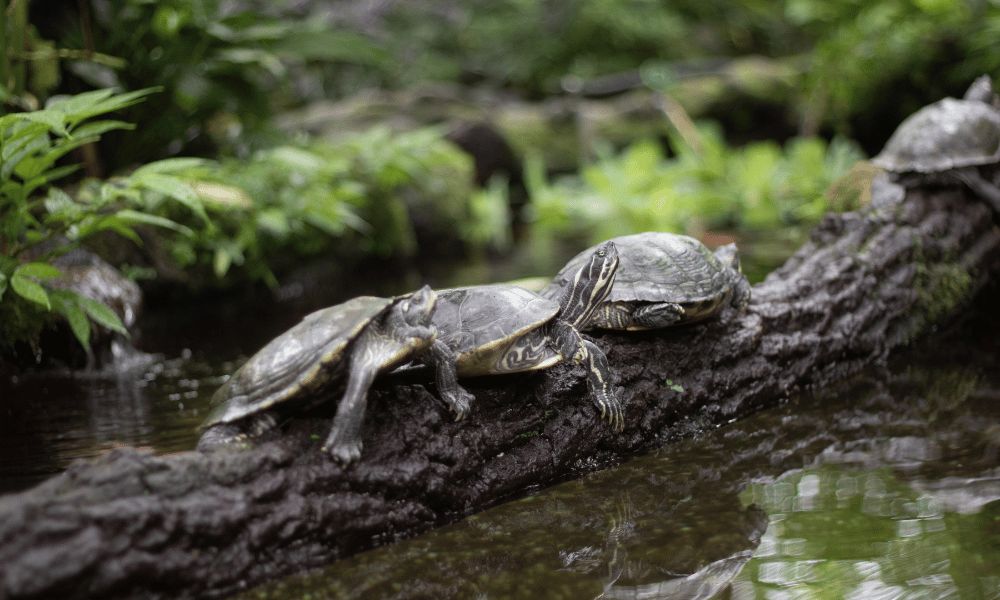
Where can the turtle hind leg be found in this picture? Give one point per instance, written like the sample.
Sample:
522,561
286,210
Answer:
658,315
223,435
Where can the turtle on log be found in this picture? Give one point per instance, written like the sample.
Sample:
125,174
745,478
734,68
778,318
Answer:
664,279
359,338
949,141
502,328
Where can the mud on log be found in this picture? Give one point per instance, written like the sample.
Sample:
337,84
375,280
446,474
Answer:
133,524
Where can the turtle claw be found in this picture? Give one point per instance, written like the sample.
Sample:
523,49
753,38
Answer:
459,402
344,451
611,410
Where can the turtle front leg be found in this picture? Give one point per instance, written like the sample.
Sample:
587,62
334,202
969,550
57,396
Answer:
572,346
344,441
440,356
741,292
981,187
599,381
658,315
611,315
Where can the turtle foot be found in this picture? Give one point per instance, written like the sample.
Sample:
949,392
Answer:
611,411
224,435
460,402
345,452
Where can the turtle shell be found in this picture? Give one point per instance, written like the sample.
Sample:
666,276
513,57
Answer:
298,361
481,323
946,135
657,267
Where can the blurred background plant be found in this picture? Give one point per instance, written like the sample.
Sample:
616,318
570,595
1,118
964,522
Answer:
757,188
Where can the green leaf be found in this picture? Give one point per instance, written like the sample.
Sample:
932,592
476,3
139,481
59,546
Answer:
329,45
3,285
102,315
55,121
170,165
221,262
29,290
89,104
96,128
133,216
47,177
38,270
171,187
67,304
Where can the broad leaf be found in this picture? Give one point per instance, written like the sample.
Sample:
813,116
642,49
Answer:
29,290
54,120
173,188
132,216
38,270
97,128
66,303
170,165
102,315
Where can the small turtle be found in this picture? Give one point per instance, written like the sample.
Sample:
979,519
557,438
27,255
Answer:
364,336
948,140
502,328
663,279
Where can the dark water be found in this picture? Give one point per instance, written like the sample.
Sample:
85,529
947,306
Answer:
888,488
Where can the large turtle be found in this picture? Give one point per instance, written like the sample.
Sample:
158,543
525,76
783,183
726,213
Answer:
663,279
948,140
362,337
502,328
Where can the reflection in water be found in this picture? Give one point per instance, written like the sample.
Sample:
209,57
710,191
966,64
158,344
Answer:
836,532
52,419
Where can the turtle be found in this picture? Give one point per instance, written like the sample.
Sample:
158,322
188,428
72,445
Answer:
664,279
503,328
948,141
363,337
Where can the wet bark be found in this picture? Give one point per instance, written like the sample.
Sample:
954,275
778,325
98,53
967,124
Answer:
132,524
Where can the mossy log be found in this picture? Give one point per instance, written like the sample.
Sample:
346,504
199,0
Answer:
133,524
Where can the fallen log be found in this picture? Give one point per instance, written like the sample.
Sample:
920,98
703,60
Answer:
133,524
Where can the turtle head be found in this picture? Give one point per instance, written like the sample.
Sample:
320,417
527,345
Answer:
729,256
981,90
416,310
590,286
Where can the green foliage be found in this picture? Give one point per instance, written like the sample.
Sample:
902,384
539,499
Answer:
225,67
40,222
298,200
929,44
760,186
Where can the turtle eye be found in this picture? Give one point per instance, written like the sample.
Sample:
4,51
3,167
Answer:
602,253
